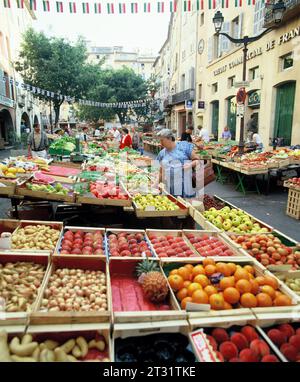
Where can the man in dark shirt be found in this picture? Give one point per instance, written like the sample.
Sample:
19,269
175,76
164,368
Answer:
186,136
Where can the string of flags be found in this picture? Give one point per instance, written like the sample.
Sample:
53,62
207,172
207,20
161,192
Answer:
116,7
103,105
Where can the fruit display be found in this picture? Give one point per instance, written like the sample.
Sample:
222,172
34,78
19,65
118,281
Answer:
268,250
140,183
209,245
291,279
138,287
233,220
39,348
128,244
39,237
57,188
212,202
107,190
170,246
162,347
11,172
157,202
225,286
293,183
73,290
240,344
19,285
286,338
82,243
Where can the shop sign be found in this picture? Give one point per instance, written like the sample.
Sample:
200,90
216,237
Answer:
240,110
189,105
6,101
254,99
201,104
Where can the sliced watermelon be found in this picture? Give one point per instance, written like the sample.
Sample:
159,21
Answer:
43,178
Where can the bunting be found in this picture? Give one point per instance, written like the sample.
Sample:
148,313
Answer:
147,7
173,6
160,7
134,7
122,8
187,6
72,7
32,5
85,8
110,8
6,3
97,8
20,4
46,6
59,7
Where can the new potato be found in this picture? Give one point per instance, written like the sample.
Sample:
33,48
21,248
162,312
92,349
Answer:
40,237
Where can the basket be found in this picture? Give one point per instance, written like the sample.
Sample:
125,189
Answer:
293,204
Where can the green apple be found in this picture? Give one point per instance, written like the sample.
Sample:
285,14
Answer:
236,221
243,227
227,225
217,223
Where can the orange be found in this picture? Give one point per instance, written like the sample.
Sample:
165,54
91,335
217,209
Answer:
183,293
249,269
254,286
176,282
278,293
202,280
269,280
248,300
192,287
241,274
210,269
223,268
227,306
251,276
184,273
210,289
232,267
227,282
189,266
263,299
231,295
243,286
208,261
282,300
184,302
216,301
186,283
200,297
174,272
260,280
198,270
269,290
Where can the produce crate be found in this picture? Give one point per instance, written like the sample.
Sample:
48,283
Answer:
40,317
293,204
7,187
90,198
76,229
204,223
127,269
129,231
281,316
222,238
150,212
63,333
24,223
24,191
292,275
8,225
174,233
145,329
21,318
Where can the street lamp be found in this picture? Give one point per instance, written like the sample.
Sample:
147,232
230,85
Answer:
278,10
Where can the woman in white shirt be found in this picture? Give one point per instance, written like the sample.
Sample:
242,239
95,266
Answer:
256,139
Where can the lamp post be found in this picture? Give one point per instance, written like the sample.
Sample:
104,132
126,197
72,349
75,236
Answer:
278,10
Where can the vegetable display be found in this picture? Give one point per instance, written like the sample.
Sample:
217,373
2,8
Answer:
128,244
63,144
19,285
40,237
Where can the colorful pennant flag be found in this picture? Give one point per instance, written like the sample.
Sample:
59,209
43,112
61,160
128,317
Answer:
173,6
110,8
46,5
59,7
122,8
20,3
72,7
134,7
97,8
238,3
85,8
6,3
32,5
160,7
187,6
212,4
251,2
147,7
225,3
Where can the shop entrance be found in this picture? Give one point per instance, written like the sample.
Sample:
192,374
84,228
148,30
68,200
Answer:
6,126
231,116
182,123
215,119
285,99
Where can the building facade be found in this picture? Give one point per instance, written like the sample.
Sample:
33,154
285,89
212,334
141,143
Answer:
116,57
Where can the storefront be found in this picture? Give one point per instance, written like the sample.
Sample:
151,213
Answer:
7,116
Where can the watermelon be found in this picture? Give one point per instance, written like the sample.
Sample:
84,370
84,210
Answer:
43,178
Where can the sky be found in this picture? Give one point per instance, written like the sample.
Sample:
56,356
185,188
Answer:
147,32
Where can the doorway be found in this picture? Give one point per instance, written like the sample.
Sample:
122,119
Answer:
182,123
231,116
215,119
6,127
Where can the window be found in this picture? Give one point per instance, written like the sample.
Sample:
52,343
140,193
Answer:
183,82
231,81
253,73
202,19
214,88
224,42
7,85
210,49
259,14
287,61
216,46
237,27
200,91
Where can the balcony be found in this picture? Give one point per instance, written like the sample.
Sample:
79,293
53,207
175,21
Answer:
5,101
292,10
186,95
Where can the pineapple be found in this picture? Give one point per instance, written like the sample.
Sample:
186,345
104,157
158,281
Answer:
154,284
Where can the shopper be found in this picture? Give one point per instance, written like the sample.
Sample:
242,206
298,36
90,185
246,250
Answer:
126,140
37,142
177,159
135,139
187,135
84,135
141,143
226,135
97,132
203,134
256,139
117,136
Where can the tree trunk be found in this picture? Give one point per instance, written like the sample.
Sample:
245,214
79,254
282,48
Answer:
56,107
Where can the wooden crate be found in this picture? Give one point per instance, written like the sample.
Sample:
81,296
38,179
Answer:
175,233
281,316
182,211
24,191
7,188
128,267
204,223
293,204
86,230
236,252
89,198
129,231
62,333
40,317
21,318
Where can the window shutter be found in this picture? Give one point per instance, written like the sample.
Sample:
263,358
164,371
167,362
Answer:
210,49
224,43
192,78
2,84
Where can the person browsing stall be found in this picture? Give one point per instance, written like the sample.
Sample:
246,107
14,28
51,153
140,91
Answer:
126,140
226,135
37,142
187,135
256,139
203,134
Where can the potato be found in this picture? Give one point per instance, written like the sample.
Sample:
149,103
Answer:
4,349
21,350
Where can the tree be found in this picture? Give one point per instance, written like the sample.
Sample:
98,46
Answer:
56,65
114,86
